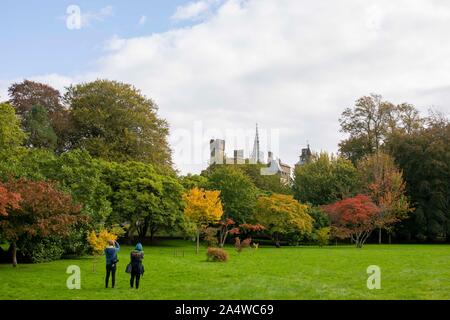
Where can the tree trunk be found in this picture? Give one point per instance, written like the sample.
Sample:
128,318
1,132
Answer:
152,236
198,241
130,239
222,237
379,235
276,238
152,233
390,238
14,254
359,240
142,231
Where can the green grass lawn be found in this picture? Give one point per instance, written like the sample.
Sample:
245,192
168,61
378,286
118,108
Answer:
408,272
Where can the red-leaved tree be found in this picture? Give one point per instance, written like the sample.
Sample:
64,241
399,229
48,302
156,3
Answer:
8,200
226,227
43,211
353,218
229,227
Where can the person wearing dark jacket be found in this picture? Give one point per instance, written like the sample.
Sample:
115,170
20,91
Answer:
111,262
137,269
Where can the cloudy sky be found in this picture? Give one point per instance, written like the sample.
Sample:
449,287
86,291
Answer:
217,67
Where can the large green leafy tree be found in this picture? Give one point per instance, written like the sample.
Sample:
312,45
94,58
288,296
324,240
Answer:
34,164
170,216
371,121
11,135
81,175
237,191
325,180
40,131
191,181
367,125
268,183
114,121
424,157
143,199
11,140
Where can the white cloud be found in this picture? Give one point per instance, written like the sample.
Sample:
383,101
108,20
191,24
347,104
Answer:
142,20
194,10
87,18
291,65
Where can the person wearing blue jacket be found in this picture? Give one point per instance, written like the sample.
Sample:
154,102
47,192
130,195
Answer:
111,262
137,269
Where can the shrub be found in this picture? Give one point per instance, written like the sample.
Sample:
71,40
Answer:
294,239
323,236
240,245
217,255
76,243
246,243
211,237
42,250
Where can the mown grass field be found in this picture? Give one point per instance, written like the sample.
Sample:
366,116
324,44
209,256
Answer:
407,272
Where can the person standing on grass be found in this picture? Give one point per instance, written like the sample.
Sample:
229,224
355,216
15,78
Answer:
137,269
111,262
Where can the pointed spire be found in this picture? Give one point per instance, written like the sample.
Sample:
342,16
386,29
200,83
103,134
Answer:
255,153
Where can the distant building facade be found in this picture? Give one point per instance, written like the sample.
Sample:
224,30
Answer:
274,166
283,170
285,173
238,157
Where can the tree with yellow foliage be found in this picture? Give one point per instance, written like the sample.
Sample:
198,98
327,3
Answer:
202,208
281,215
99,241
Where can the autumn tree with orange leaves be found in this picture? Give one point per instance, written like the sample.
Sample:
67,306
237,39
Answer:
42,211
384,183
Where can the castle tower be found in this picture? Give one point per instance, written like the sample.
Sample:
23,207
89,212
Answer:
217,149
305,156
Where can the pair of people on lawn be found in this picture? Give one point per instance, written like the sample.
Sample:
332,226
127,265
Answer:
135,267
